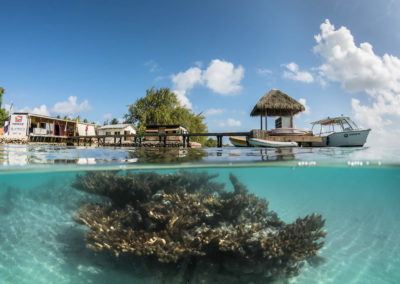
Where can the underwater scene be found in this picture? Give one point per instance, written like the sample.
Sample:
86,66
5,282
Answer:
92,215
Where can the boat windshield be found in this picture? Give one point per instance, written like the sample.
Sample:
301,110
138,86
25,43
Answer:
348,124
328,128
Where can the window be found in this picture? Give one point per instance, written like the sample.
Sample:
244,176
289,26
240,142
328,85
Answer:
108,133
117,133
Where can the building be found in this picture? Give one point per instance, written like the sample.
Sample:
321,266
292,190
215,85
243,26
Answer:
29,124
166,129
276,103
117,129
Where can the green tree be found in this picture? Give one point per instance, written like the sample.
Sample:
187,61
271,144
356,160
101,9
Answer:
211,143
85,120
3,112
162,107
114,121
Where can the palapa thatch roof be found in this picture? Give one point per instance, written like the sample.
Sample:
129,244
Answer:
277,103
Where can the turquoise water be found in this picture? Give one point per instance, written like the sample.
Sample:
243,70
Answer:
358,198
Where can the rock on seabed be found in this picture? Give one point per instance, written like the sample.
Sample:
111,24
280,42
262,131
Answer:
191,230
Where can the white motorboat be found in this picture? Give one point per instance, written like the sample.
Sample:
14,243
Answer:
270,144
340,132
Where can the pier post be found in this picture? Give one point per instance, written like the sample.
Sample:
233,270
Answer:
219,141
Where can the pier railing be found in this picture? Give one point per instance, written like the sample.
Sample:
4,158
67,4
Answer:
140,139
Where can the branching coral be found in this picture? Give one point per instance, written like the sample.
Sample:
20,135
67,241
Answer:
185,217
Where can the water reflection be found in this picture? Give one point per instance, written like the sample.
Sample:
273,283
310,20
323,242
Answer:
20,155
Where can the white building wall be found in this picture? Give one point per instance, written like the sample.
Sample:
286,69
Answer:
112,131
82,130
18,125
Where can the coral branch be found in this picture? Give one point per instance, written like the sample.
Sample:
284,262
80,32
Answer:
186,218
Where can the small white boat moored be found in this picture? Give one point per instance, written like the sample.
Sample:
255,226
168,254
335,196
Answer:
340,132
270,144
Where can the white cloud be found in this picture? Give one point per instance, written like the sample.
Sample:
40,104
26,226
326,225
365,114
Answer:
355,68
359,69
263,71
214,111
230,122
304,103
233,122
107,116
152,65
199,64
36,110
158,78
223,78
220,76
184,81
70,106
295,74
183,99
188,79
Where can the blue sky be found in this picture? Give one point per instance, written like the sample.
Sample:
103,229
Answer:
93,58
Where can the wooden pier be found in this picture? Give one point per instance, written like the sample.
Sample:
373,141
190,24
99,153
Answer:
139,140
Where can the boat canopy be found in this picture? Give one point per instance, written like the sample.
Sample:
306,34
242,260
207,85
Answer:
344,121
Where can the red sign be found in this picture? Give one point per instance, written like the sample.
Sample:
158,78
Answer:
18,118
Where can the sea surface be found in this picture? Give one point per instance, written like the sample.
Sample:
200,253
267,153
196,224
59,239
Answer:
356,190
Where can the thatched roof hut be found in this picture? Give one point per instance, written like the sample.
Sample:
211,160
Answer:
276,103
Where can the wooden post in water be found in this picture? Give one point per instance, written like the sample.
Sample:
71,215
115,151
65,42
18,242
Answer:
219,141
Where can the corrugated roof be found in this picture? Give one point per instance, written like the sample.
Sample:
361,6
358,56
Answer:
50,117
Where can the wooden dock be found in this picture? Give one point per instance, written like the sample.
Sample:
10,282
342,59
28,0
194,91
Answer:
139,140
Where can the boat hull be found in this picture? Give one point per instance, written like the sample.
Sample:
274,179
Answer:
354,138
238,142
271,144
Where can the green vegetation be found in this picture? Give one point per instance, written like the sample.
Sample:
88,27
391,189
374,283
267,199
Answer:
114,121
3,112
211,143
160,107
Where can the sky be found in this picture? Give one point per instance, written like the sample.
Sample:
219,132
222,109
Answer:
93,58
